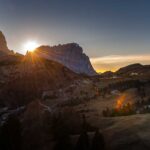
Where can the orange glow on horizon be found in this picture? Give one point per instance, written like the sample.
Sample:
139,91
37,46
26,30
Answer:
104,70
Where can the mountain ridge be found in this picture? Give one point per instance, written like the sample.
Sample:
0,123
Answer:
134,68
129,70
70,55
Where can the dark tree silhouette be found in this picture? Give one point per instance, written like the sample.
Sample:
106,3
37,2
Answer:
83,142
98,142
63,143
10,136
61,133
141,92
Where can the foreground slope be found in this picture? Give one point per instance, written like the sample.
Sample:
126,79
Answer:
26,78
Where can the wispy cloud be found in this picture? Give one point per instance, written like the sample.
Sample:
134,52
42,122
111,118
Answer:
120,58
114,62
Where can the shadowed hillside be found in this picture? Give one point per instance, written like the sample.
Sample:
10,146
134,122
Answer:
26,78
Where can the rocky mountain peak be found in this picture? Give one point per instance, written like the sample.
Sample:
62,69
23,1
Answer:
3,43
71,55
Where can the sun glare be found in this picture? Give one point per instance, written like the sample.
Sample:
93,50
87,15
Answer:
30,46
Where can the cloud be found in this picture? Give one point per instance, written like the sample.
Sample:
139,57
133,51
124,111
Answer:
120,58
114,62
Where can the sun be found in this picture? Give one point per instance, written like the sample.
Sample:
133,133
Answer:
30,46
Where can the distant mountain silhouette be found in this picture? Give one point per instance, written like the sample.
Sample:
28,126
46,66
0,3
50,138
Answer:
134,69
71,55
130,70
107,74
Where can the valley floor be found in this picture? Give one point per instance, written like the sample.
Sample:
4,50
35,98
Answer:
121,133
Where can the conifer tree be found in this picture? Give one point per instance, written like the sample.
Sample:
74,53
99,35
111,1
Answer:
98,142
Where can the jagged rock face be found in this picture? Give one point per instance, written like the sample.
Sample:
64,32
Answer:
70,55
3,44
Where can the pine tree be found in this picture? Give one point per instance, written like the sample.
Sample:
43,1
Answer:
98,142
10,137
83,142
63,143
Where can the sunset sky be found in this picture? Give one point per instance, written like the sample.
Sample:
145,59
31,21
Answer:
113,33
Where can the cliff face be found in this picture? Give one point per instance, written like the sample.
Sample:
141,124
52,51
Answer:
3,44
70,55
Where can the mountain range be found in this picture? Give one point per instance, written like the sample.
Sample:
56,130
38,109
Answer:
26,78
130,70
